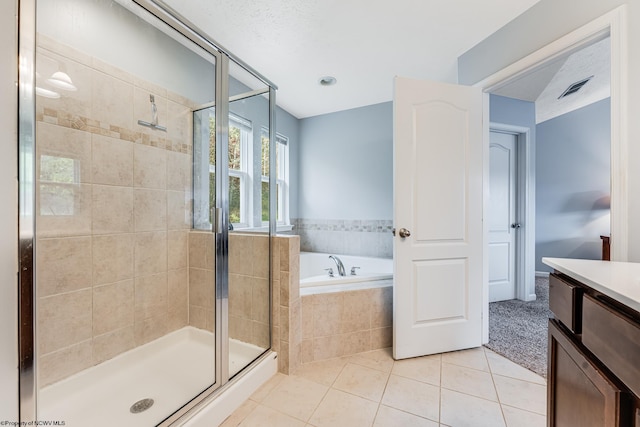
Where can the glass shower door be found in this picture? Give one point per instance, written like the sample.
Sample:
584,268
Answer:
125,285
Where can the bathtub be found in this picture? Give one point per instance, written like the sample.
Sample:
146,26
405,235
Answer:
314,279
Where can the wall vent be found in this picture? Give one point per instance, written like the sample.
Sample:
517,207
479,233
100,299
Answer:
574,87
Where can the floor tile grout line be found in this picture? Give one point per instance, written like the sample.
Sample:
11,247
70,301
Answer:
495,387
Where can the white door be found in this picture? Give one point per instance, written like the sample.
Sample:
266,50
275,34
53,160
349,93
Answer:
502,216
438,199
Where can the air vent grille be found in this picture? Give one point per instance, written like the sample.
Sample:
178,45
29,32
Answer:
574,87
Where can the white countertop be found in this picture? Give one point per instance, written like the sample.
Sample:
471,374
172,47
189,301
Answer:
618,280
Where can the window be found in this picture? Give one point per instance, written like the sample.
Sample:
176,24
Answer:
248,165
240,134
282,177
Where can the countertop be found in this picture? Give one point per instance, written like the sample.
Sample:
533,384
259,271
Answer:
618,280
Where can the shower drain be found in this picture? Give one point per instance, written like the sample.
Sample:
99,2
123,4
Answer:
141,406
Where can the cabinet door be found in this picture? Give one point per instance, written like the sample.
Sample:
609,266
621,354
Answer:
578,393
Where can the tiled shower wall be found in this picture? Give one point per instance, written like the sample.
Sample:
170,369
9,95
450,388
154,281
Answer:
348,237
112,236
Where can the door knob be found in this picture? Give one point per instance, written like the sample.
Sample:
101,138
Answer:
516,225
404,233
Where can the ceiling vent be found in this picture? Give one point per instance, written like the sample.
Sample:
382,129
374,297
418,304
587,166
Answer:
573,88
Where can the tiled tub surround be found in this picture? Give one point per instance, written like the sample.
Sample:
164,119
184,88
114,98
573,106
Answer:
344,323
112,235
322,326
349,237
285,312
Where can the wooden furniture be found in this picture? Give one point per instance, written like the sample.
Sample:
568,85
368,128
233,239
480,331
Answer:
606,248
594,348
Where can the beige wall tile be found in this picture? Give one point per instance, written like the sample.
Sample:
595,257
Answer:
275,304
111,70
307,317
113,307
295,324
150,296
178,249
260,300
60,364
112,344
60,142
150,253
283,358
64,320
260,255
381,338
307,351
149,167
112,258
63,210
178,302
112,100
201,250
178,171
356,342
150,329
356,311
63,265
149,87
240,328
260,334
284,323
275,258
327,347
197,317
284,288
275,339
240,296
284,253
240,253
202,288
381,307
150,209
112,209
178,210
179,121
327,312
112,161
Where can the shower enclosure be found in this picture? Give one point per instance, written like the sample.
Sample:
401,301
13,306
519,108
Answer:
145,213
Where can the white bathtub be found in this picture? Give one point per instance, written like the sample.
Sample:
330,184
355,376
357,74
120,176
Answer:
314,279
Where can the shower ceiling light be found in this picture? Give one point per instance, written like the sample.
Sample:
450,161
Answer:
327,81
62,81
47,93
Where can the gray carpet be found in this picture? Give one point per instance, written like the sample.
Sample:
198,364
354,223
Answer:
518,329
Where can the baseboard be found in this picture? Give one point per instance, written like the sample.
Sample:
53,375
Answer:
544,274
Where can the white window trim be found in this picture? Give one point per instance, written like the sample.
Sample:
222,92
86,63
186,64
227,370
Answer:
284,223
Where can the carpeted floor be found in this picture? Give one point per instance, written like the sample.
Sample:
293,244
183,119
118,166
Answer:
518,329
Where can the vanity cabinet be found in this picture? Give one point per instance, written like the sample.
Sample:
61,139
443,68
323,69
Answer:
594,358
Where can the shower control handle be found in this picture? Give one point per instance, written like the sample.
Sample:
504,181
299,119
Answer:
516,225
404,233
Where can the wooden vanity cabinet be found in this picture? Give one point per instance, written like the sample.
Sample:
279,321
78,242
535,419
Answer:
594,353
579,394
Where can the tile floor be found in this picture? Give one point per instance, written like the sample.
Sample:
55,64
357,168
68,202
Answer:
474,387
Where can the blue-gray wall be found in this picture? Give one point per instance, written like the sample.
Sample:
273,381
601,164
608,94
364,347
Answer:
573,181
513,112
346,165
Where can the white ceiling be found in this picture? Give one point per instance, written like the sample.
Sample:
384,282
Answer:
363,43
